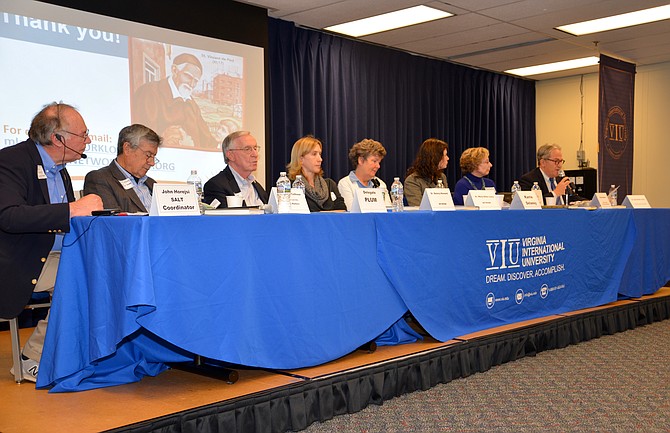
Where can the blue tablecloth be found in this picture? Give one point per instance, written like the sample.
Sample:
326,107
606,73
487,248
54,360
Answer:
469,271
647,266
289,291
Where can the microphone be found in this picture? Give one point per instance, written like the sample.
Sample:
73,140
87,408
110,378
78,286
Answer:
375,183
60,138
571,186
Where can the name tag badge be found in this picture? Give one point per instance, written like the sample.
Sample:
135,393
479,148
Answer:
40,172
126,183
173,200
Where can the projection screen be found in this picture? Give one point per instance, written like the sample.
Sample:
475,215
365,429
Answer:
119,72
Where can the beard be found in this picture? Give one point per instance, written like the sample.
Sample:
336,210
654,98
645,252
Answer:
185,91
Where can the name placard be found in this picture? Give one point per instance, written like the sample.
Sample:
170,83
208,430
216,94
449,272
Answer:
484,200
298,201
277,207
172,200
367,200
437,199
525,200
636,202
601,200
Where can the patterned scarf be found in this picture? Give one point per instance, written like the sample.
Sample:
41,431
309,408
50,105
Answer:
320,191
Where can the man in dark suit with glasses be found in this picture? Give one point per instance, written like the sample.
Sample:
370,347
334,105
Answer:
36,204
240,153
549,175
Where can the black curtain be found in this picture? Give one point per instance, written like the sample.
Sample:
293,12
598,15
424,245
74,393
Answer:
342,91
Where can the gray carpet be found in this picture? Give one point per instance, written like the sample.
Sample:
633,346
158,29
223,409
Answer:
617,383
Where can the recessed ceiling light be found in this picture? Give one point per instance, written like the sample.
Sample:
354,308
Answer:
389,21
553,67
618,21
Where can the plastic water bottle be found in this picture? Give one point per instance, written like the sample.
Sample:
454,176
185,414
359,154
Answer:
283,193
612,195
538,192
299,183
440,184
283,183
516,187
397,193
195,180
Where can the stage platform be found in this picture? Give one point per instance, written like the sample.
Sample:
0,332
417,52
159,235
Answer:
275,401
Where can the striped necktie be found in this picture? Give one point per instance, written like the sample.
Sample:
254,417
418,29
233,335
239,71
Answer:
552,182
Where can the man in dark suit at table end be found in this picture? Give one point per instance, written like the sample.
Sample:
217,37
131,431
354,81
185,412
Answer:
124,183
36,204
240,153
549,164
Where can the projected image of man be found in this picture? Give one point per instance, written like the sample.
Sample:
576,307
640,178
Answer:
124,183
168,107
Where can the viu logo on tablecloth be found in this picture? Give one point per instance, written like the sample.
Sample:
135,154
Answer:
503,253
514,260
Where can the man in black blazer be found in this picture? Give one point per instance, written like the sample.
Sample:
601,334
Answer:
549,163
240,152
36,204
124,183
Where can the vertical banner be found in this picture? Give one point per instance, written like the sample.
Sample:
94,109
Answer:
615,125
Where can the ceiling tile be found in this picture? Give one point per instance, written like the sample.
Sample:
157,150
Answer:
495,34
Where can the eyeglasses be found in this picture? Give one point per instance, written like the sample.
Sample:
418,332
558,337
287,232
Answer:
556,161
249,149
150,156
85,136
192,78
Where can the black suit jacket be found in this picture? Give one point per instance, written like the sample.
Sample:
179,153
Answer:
535,175
106,182
28,223
224,184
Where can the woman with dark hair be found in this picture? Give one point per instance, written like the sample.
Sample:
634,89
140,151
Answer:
427,170
321,193
475,165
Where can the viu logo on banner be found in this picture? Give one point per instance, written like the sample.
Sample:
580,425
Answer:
503,253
